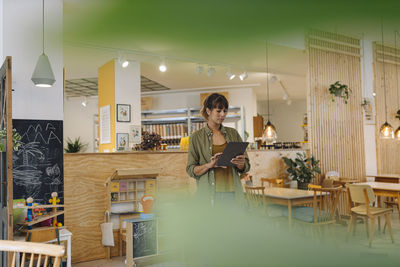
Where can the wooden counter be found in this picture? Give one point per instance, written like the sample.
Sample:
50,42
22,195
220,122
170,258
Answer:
85,194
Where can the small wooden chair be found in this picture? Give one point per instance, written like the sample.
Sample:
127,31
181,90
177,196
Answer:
362,196
272,182
44,235
122,229
36,251
255,197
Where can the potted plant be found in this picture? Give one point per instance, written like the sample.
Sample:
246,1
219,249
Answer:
339,90
16,139
302,169
74,146
150,141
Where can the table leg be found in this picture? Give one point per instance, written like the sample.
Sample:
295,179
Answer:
379,205
290,213
69,251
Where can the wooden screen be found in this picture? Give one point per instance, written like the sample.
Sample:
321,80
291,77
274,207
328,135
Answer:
387,151
336,129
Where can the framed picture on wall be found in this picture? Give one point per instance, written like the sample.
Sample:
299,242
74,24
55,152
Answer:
123,113
122,141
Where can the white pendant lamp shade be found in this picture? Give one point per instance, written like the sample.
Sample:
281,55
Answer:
43,75
269,135
386,131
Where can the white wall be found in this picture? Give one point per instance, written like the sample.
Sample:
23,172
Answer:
1,32
237,97
367,76
286,118
79,121
22,39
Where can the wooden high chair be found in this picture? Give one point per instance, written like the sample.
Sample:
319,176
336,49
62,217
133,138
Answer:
255,197
35,251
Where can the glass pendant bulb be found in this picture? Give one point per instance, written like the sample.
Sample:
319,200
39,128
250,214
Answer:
386,131
269,135
397,134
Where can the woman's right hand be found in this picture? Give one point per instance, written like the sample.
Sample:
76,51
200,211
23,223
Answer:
213,161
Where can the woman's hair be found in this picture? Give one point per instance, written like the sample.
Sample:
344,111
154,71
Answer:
214,101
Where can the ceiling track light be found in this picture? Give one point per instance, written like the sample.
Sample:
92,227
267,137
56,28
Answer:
125,63
243,75
211,71
43,75
230,75
163,66
84,102
199,69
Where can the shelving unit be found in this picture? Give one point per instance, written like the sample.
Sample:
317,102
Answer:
176,123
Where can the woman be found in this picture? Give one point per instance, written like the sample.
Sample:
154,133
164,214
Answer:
206,146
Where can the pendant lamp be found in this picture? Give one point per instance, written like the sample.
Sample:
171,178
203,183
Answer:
397,132
43,75
269,135
386,130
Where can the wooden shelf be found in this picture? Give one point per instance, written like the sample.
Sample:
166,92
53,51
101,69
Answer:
42,218
125,201
45,206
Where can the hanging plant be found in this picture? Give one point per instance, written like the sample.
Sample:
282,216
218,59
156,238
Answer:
339,90
398,114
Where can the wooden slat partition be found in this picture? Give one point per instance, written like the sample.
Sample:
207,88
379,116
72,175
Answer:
387,151
336,129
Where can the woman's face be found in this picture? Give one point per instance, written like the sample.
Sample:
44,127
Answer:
217,115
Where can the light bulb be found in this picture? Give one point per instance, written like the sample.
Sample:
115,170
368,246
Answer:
269,135
199,69
230,75
397,134
125,63
162,67
243,76
211,71
386,131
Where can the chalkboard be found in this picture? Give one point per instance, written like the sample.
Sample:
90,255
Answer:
38,167
144,238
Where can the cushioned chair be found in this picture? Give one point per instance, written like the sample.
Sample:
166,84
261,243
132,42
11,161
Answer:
323,209
39,252
362,196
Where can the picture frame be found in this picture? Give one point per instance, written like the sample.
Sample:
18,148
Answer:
122,141
123,113
135,134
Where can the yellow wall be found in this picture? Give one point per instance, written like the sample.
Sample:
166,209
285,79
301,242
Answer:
106,91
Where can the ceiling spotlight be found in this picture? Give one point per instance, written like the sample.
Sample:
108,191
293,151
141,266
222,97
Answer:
125,63
243,75
84,102
289,102
230,75
211,71
199,69
162,67
285,96
374,94
273,79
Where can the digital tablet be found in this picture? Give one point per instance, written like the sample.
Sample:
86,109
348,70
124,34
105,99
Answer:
232,150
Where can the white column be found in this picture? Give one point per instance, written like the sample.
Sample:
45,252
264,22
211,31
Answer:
127,91
367,76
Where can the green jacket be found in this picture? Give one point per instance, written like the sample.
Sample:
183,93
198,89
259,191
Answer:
200,152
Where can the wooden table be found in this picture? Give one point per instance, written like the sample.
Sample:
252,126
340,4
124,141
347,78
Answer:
386,178
288,197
